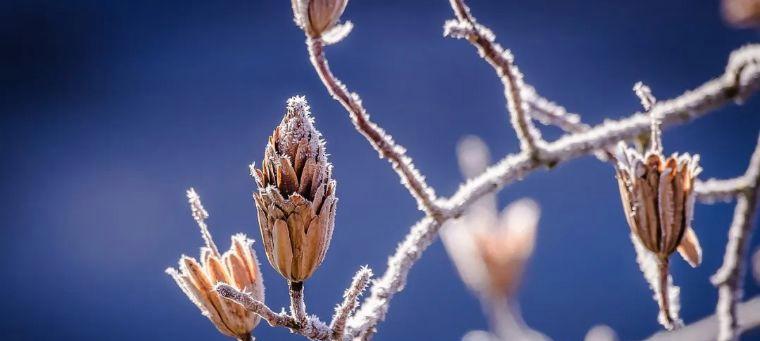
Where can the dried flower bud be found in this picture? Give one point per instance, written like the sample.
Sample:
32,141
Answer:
296,195
490,259
658,199
316,17
237,267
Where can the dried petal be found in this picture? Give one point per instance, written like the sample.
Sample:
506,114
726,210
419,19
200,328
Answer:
690,249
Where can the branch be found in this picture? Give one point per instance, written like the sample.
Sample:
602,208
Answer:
729,277
377,137
502,61
715,190
742,77
311,327
706,329
691,105
344,310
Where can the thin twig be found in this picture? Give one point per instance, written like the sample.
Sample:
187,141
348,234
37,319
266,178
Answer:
706,329
730,276
312,328
344,310
502,61
200,215
377,137
725,190
274,319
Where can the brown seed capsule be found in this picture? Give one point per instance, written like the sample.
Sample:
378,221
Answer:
237,267
296,195
658,199
316,17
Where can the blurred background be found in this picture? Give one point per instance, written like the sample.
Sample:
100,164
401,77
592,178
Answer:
112,109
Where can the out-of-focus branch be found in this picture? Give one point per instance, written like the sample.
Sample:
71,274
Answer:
715,190
748,314
377,137
465,26
729,277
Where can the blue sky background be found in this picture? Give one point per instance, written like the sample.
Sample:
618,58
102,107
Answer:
111,109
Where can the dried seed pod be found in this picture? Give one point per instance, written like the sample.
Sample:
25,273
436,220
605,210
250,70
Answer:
237,267
316,17
658,199
296,195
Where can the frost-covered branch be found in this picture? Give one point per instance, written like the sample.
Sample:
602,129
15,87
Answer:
344,310
742,77
465,26
748,314
691,105
715,190
200,215
310,327
377,137
730,276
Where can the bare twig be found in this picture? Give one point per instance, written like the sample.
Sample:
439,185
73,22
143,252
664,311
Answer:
377,137
715,190
502,61
729,277
274,319
707,329
344,310
311,327
200,215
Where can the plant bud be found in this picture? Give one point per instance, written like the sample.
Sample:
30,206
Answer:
658,199
238,267
316,17
296,195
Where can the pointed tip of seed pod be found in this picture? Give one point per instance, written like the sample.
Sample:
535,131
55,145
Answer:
297,105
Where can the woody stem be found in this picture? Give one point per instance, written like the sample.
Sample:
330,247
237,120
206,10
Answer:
662,266
246,337
297,305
